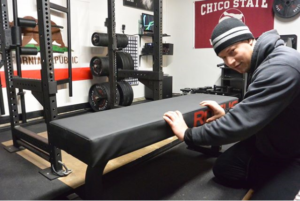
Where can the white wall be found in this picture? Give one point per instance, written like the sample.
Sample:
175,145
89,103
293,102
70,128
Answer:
189,67
288,26
197,67
87,17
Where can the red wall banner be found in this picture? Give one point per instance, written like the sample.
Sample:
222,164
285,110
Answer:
256,14
78,74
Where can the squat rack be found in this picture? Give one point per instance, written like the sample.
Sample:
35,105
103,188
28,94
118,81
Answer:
152,79
43,90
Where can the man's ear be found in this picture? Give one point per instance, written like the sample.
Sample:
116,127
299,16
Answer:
251,41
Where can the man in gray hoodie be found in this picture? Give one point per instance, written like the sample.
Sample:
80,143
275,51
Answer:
266,124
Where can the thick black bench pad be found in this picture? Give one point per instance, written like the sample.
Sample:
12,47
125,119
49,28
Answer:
96,138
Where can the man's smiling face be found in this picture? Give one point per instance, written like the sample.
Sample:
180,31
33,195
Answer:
238,56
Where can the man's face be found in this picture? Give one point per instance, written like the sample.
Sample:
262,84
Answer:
238,56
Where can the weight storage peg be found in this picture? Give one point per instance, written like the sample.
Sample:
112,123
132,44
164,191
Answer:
101,39
99,95
99,66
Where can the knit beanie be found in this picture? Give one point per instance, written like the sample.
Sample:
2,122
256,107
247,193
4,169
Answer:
228,32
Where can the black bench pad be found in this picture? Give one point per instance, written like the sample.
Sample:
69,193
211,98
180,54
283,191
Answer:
96,138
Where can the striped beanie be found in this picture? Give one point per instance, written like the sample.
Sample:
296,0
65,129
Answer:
228,32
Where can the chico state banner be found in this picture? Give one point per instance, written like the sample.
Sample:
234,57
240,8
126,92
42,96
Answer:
256,14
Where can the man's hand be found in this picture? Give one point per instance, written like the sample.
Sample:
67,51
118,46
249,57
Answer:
177,123
216,108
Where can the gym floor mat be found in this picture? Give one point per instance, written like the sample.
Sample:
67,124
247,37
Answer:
76,178
20,179
176,174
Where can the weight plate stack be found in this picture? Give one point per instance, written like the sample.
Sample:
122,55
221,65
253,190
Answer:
99,96
126,93
122,40
124,98
286,8
99,66
100,39
130,92
124,61
107,88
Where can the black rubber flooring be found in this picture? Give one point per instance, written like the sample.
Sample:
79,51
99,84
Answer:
21,180
177,174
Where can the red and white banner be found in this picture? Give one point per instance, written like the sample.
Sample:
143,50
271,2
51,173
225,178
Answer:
256,14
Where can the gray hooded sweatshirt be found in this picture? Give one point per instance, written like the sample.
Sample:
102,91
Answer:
271,106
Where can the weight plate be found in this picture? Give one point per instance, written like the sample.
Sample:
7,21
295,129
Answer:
130,93
122,40
99,66
120,60
99,96
100,39
126,96
107,88
130,62
124,61
123,97
286,8
126,93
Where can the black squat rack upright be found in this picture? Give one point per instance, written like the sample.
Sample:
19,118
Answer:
152,79
43,90
112,47
2,109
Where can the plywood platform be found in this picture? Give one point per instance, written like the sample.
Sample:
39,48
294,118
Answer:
177,174
77,177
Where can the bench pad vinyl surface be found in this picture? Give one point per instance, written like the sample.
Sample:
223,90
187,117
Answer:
96,138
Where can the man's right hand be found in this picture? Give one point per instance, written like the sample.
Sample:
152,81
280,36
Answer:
216,108
177,123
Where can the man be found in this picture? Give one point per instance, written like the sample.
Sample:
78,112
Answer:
266,123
